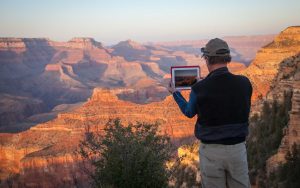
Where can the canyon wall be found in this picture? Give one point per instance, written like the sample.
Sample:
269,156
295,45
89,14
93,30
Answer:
48,149
287,83
265,66
54,73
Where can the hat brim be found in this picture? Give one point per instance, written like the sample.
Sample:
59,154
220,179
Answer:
220,52
204,51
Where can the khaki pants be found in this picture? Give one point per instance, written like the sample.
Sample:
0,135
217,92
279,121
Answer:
224,166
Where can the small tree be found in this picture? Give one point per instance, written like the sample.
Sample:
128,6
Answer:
127,156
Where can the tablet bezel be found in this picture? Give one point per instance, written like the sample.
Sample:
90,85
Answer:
173,68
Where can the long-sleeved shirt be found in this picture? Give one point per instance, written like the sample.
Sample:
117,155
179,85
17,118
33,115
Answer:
187,108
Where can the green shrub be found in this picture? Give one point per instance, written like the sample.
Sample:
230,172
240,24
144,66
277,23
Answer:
128,156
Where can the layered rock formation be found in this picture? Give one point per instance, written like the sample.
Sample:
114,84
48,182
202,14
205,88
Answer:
48,148
131,51
265,66
287,82
66,72
84,43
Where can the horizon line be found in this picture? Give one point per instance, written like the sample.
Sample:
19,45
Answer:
138,41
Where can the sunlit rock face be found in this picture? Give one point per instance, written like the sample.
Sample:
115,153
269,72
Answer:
287,82
48,148
265,66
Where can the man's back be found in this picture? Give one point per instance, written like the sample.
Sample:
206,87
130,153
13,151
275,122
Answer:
223,106
223,98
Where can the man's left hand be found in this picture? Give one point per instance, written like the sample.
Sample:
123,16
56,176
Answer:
171,87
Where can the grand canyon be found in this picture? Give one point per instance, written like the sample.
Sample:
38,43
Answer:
51,92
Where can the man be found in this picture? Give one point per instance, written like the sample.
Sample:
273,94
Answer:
222,103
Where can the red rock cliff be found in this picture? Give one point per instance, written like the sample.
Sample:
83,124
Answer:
265,66
287,81
48,149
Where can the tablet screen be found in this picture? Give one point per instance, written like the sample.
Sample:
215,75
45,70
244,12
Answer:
185,77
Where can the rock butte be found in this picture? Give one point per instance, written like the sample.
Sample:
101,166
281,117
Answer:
265,66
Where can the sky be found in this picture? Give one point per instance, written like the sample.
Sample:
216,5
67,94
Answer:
111,21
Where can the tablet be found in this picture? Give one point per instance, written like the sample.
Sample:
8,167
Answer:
184,77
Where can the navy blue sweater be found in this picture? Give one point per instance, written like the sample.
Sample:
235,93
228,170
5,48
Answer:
222,103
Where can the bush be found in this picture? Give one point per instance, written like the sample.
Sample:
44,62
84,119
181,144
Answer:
127,156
